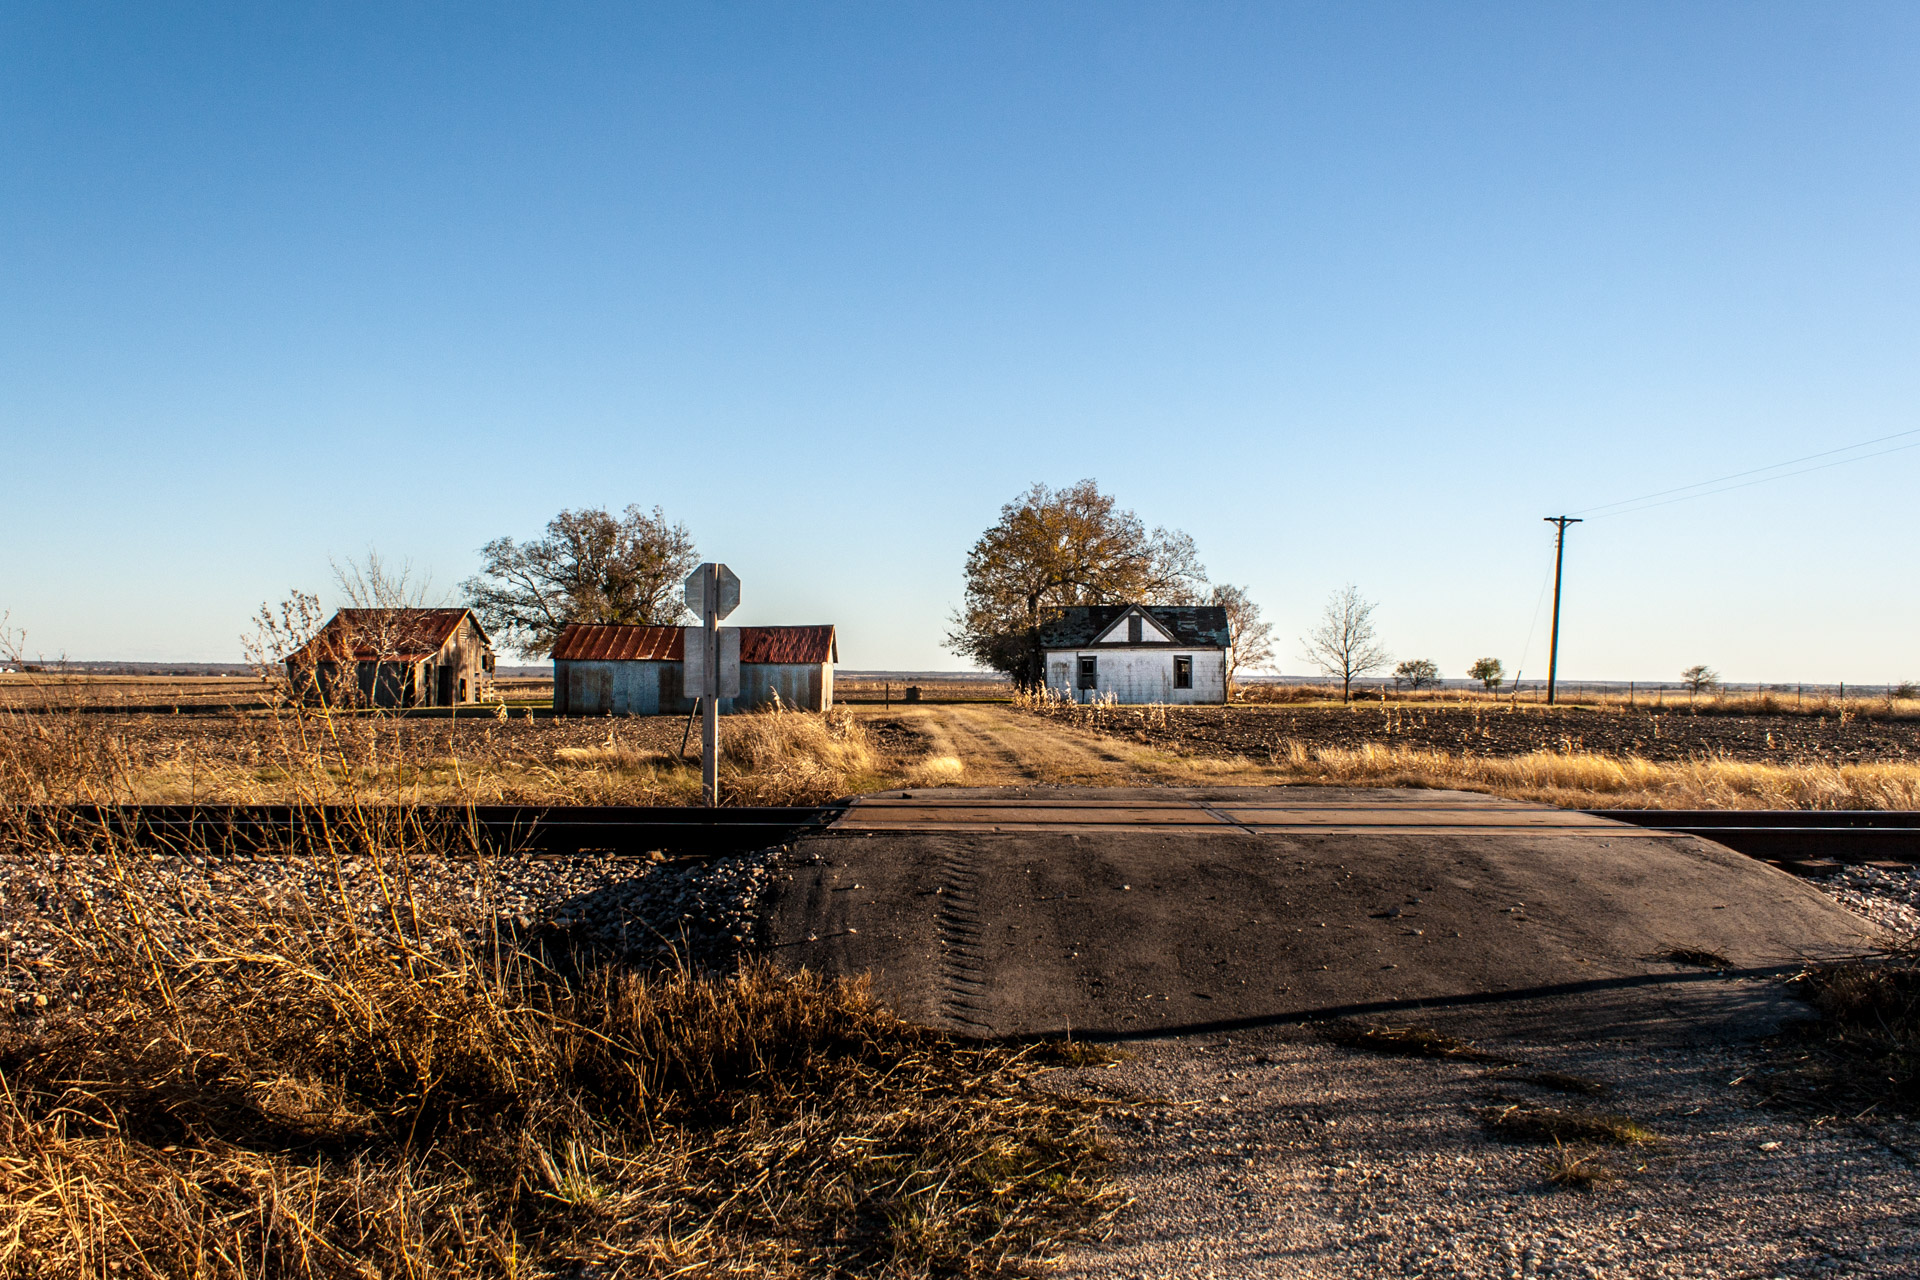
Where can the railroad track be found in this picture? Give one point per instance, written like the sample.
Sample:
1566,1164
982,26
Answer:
632,830
1807,842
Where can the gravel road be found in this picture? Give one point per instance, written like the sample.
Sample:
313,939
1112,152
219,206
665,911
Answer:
1278,1154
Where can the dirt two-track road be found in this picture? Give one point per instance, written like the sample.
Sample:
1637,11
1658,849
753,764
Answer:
997,746
1211,929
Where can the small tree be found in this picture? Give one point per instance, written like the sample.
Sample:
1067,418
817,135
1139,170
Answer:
1416,674
1249,640
1700,678
1344,644
1488,672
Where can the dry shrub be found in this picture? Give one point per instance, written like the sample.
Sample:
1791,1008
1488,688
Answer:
1863,1055
327,1091
784,756
1530,1122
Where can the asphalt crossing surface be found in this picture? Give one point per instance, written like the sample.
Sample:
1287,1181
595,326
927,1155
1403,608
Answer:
1132,912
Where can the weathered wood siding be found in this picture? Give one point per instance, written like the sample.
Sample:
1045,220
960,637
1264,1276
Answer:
1137,675
624,688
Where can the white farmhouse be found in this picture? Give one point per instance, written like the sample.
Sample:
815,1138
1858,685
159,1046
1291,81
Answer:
1132,653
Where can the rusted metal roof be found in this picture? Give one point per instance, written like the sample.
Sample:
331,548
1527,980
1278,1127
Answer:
589,642
386,635
609,642
788,644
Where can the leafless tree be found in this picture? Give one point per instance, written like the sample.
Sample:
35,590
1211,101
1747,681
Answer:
1345,644
1700,678
1249,639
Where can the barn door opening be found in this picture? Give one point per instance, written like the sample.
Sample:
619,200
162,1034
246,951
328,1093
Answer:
443,696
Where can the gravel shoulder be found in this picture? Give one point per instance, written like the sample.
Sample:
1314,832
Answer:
1277,1153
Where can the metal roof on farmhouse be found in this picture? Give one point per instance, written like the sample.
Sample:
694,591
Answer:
386,635
611,642
1202,626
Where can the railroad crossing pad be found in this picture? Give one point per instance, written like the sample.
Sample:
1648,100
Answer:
1124,912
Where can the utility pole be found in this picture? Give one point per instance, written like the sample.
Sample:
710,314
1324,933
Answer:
1559,551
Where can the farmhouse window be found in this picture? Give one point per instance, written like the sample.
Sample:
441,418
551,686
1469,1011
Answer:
1089,671
1183,672
1133,629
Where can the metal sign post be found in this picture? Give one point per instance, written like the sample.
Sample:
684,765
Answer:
713,592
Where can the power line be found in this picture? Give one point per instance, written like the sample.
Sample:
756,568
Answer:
1647,501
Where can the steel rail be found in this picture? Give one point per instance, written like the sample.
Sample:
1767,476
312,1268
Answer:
1795,839
609,829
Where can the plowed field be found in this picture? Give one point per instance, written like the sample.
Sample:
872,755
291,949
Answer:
1259,733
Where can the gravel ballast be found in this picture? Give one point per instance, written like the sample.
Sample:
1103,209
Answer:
638,910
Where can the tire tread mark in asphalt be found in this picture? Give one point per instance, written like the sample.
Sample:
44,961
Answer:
962,961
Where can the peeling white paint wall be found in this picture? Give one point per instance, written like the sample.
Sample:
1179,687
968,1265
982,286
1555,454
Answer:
1129,675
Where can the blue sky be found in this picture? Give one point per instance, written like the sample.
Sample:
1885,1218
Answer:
1354,292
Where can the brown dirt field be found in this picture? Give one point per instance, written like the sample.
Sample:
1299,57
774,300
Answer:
859,690
1264,732
37,690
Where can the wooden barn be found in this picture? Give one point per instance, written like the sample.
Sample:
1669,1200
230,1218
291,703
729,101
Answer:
395,658
1133,653
601,670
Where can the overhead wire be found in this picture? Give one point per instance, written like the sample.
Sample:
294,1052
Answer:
1685,492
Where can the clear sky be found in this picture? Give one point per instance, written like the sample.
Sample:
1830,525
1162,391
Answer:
1348,292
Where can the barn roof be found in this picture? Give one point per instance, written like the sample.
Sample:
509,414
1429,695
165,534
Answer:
1202,626
612,642
608,642
788,644
389,635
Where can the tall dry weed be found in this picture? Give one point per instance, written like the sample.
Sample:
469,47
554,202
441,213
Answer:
332,1087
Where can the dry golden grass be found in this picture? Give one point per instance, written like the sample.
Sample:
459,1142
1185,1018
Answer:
314,1091
1584,780
313,755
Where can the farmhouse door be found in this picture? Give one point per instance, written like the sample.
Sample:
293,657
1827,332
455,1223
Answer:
443,696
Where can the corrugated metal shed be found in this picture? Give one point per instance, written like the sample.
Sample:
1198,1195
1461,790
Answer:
604,669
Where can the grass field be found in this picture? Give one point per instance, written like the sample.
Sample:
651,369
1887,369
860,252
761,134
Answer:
1580,756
